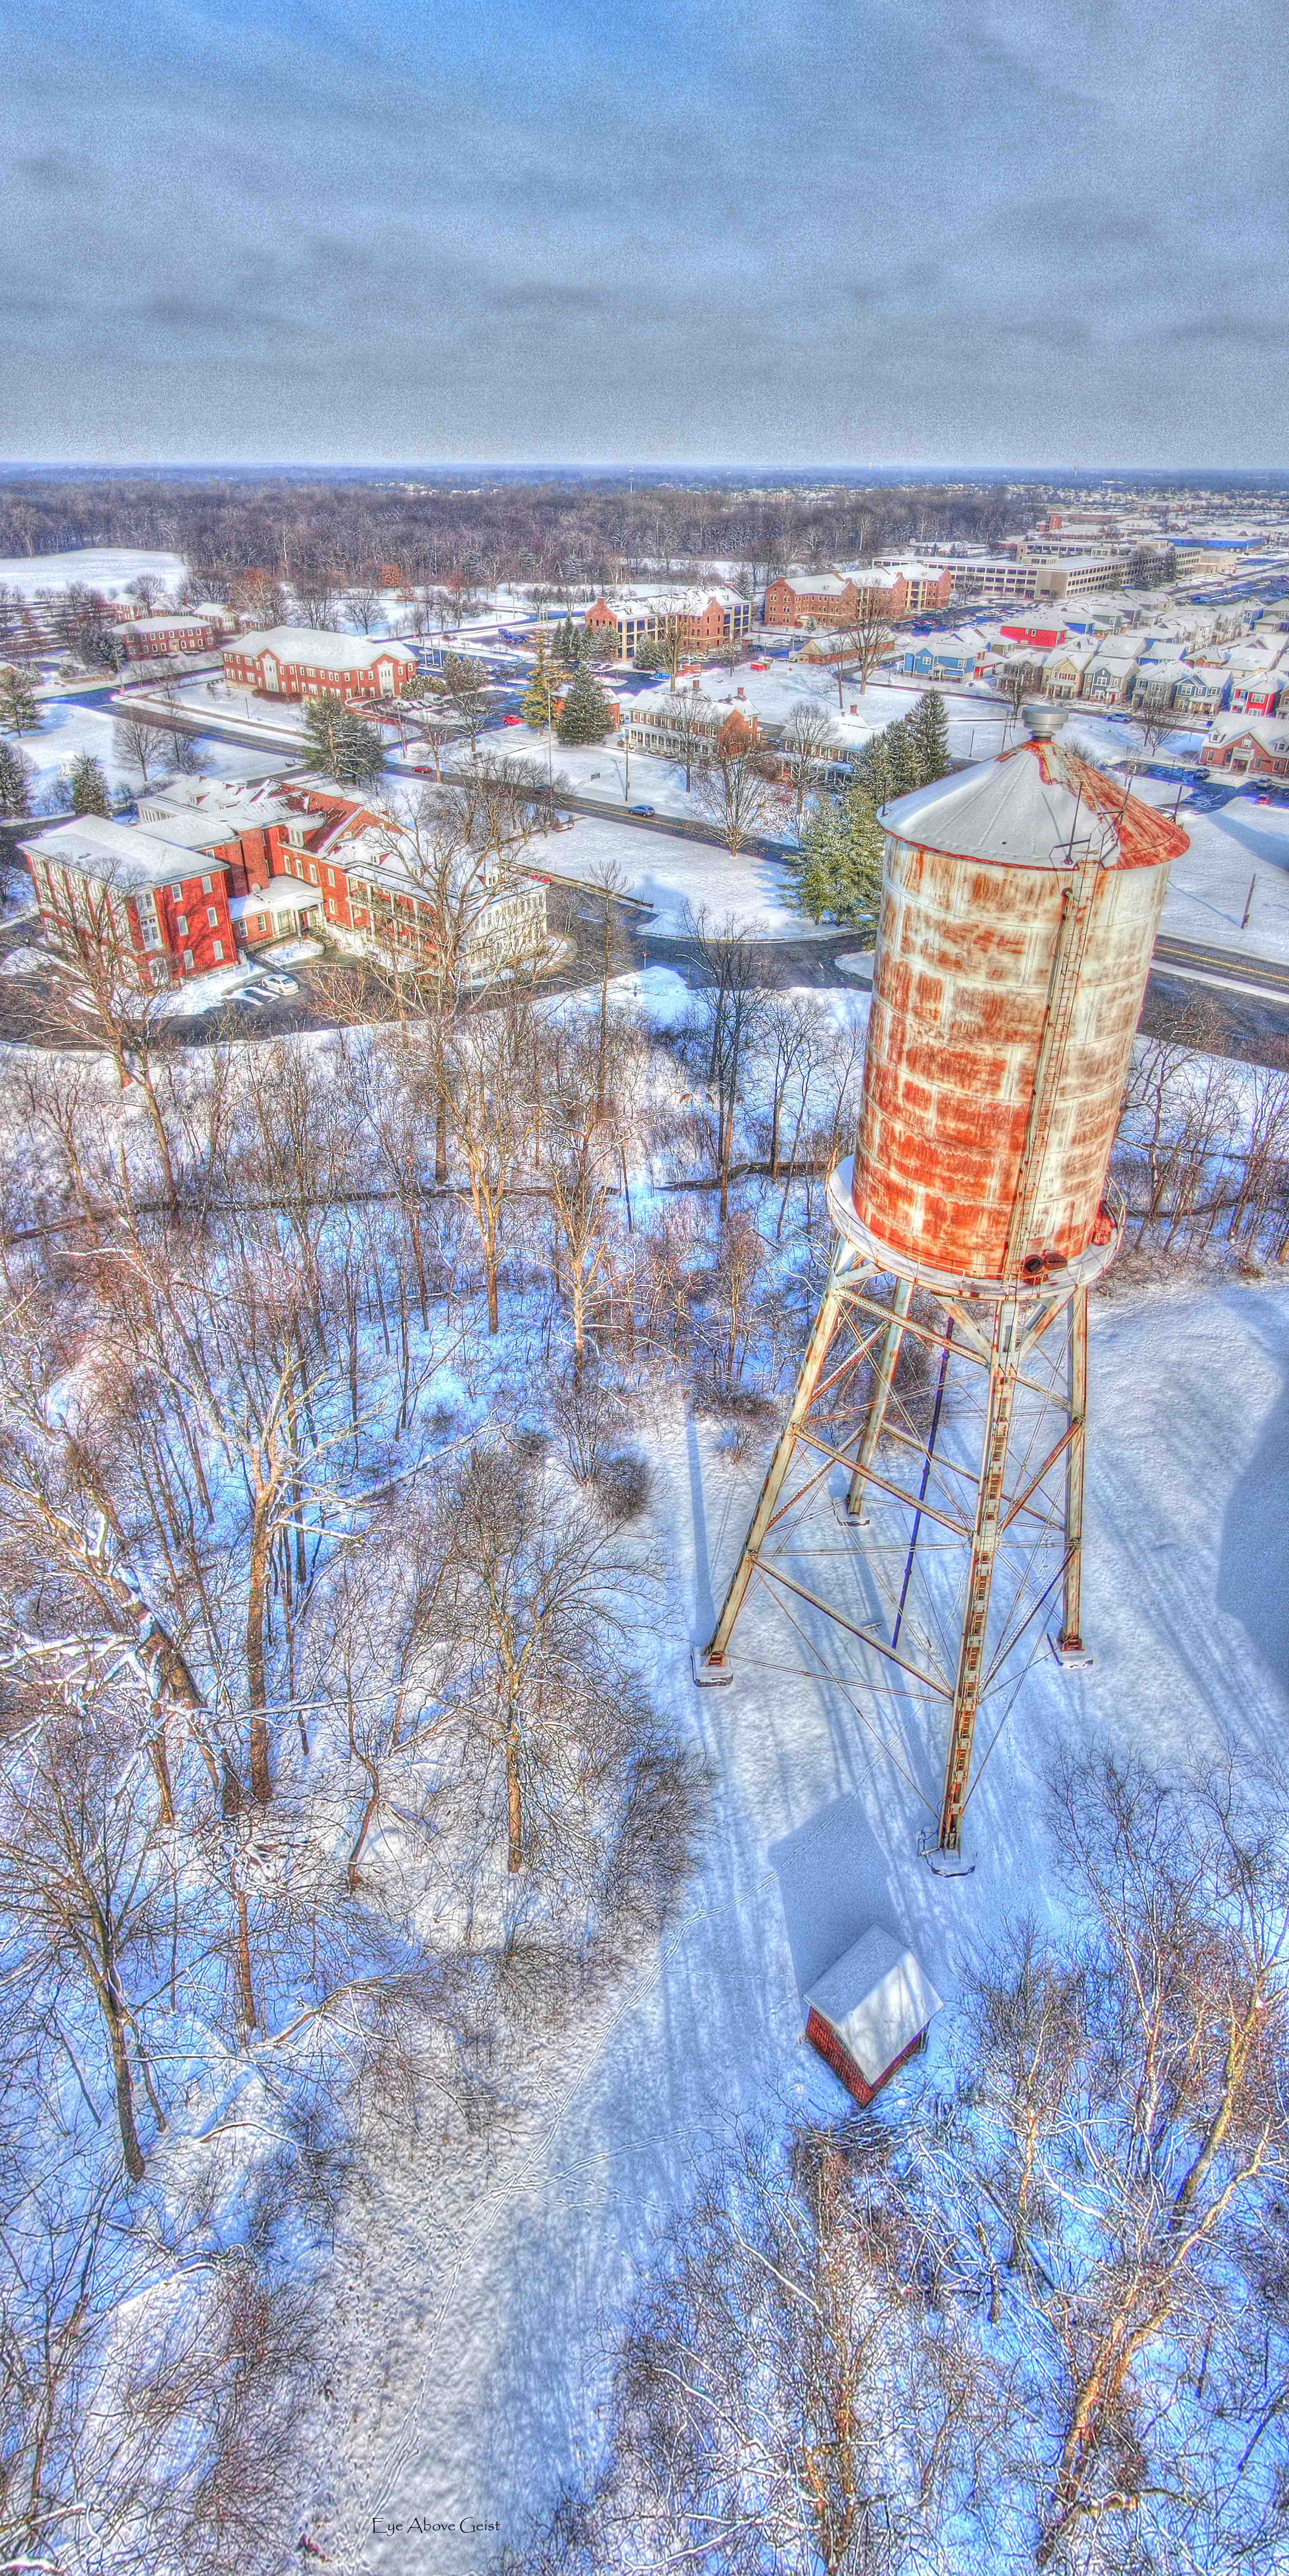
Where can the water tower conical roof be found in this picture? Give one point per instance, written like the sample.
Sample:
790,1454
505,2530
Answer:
1037,806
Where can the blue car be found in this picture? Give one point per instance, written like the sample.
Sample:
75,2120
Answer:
643,809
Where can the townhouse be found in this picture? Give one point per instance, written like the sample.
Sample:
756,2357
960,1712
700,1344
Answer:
1248,746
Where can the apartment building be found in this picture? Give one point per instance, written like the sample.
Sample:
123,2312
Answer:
181,630
709,619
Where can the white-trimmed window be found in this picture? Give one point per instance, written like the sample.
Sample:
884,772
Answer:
212,915
181,926
218,950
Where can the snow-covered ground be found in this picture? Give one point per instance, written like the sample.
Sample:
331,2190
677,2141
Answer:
110,569
671,873
68,727
478,2332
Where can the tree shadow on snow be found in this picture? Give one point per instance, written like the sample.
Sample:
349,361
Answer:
1253,1568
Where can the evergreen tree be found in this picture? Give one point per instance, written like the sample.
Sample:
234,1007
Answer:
839,866
584,716
865,842
647,656
89,786
340,743
19,712
567,642
539,695
873,769
929,726
15,781
902,755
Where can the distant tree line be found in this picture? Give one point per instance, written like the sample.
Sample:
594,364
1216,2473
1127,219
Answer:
558,533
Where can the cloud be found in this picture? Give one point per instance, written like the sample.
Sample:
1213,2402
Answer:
854,230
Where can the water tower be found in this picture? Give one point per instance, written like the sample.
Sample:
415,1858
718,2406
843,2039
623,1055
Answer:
941,1402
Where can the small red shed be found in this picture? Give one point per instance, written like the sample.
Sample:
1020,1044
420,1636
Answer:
870,2012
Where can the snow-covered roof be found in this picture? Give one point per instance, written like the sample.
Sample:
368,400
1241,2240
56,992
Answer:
238,804
121,855
1030,806
865,576
281,894
1268,730
167,625
878,1999
320,649
818,585
912,568
183,832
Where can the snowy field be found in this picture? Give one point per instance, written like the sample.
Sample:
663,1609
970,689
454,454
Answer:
477,2333
110,569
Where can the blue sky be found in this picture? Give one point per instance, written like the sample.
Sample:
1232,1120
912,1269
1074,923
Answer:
841,232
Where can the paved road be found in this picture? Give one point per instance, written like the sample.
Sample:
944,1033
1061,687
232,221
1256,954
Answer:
683,827
1228,965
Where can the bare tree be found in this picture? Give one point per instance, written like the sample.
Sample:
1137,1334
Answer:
865,639
463,686
537,1594
138,745
736,790
79,1854
808,746
734,1004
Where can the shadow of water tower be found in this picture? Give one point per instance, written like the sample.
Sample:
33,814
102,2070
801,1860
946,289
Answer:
940,1409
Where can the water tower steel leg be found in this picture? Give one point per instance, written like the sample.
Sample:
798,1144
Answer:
816,1353
1071,1637
880,1398
984,1550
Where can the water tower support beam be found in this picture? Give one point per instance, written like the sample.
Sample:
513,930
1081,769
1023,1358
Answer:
879,1399
990,1501
712,1660
1070,1641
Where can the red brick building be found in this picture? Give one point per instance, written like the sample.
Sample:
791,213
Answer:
834,599
211,873
304,662
708,619
181,630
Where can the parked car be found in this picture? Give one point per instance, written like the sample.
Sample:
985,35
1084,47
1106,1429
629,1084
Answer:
643,809
512,719
758,666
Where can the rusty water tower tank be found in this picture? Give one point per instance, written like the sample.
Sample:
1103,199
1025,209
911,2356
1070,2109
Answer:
973,969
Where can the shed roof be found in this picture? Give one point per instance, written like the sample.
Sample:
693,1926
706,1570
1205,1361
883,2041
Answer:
1029,807
878,1999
